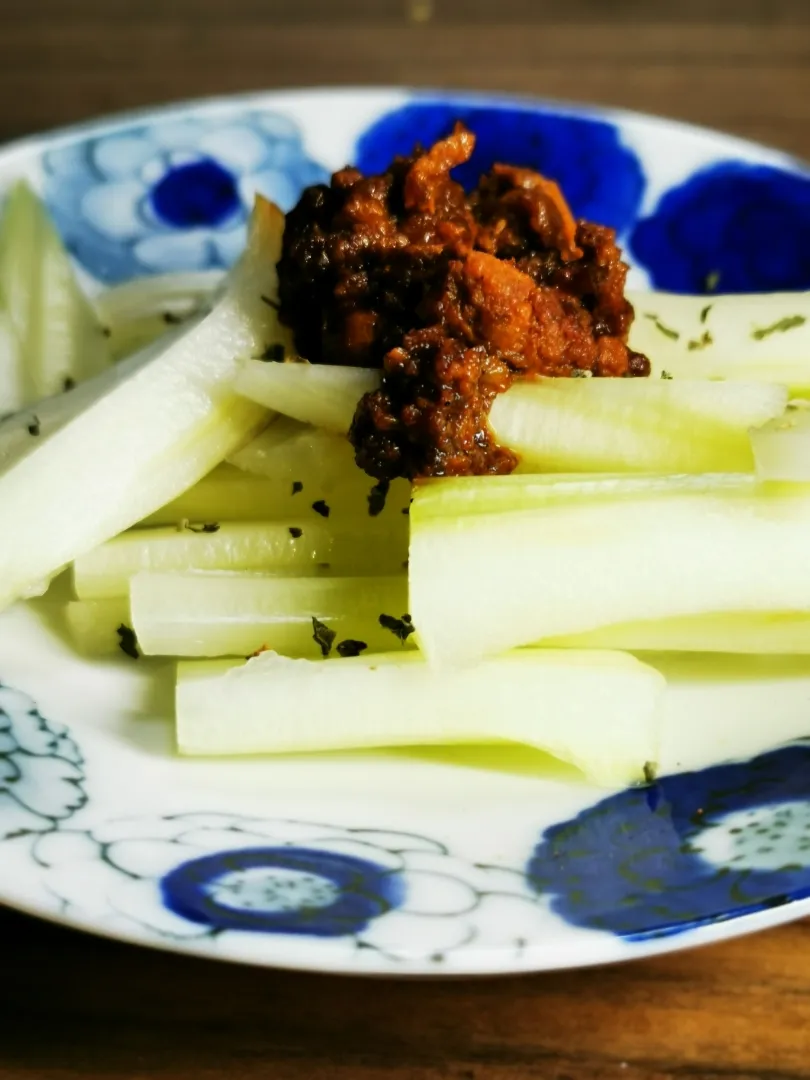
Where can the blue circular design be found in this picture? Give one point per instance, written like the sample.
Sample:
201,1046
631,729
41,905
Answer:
602,179
632,864
172,194
742,228
345,892
198,194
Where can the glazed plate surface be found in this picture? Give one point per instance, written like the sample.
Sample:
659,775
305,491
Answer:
470,861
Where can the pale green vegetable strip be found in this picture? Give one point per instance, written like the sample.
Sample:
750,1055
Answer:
596,710
211,614
483,584
782,447
60,335
93,625
752,337
641,425
302,546
761,633
147,440
562,425
14,386
319,394
17,438
229,494
532,491
140,311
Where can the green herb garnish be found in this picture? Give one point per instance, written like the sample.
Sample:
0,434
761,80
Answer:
401,628
667,331
320,507
274,353
790,322
377,497
350,647
702,342
203,527
127,642
323,637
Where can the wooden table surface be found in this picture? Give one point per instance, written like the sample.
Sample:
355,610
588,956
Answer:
75,1008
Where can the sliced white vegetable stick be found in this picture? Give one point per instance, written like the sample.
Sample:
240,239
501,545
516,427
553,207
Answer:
94,625
148,439
142,310
761,633
558,425
317,394
301,546
782,447
61,337
645,425
752,337
219,614
27,428
531,491
14,384
483,584
596,710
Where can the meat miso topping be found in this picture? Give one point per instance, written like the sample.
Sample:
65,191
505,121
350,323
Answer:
452,295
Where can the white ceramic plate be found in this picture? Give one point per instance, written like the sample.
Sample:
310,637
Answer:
473,861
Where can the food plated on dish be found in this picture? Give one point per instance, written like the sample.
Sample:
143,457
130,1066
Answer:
418,469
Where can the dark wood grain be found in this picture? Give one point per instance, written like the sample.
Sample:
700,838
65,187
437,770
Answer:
76,1008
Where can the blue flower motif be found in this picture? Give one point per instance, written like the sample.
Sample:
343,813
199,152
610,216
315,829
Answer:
694,848
41,776
285,890
602,178
733,227
172,194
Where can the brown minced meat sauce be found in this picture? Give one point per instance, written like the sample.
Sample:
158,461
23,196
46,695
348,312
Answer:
453,295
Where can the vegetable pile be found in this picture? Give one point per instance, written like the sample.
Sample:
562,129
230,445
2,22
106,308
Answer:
206,501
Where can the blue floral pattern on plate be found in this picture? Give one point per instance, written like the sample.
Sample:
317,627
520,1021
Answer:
41,769
602,178
172,194
694,848
733,227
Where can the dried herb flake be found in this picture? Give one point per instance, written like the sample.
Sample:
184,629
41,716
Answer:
297,486
350,647
68,384
790,322
295,532
702,342
667,331
270,303
127,642
323,637
171,318
34,426
320,507
650,772
711,281
666,374
274,353
401,628
705,313
377,497
202,527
